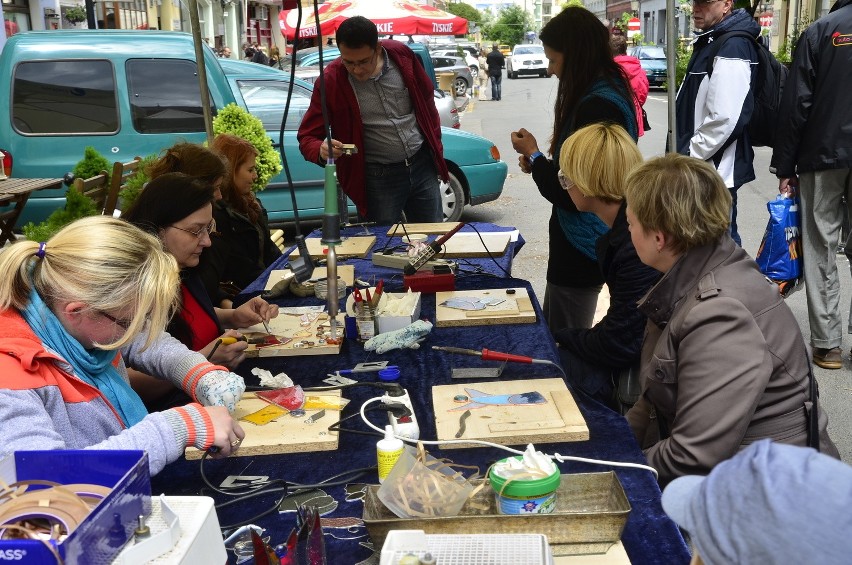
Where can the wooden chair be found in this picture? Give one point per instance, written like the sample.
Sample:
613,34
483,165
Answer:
97,188
277,237
120,173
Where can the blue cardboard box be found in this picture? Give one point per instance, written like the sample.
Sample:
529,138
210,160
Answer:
100,537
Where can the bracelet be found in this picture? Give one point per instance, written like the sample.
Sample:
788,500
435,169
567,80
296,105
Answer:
534,156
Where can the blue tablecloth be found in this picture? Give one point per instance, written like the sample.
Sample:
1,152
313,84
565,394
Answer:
365,269
649,536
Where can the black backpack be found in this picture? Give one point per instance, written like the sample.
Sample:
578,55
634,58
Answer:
767,90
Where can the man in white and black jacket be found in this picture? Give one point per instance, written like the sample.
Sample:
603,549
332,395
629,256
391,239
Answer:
714,107
814,153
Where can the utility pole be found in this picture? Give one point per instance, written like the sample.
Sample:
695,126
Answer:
91,20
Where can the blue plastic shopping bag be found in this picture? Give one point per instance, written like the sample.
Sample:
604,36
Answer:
780,254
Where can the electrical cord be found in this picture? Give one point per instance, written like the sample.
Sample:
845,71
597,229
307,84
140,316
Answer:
485,247
268,488
557,456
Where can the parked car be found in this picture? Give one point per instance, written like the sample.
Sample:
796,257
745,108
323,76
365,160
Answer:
69,89
472,62
329,54
506,50
526,59
653,61
463,79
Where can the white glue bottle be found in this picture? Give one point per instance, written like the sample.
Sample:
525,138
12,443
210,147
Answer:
388,451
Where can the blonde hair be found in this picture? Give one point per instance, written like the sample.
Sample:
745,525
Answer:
597,158
681,196
104,262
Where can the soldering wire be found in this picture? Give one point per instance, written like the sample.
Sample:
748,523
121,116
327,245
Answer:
557,456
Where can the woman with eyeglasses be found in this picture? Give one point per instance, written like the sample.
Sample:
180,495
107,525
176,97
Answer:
592,89
203,164
241,219
594,162
178,209
75,312
724,363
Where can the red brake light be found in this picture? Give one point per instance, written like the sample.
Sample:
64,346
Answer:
495,152
7,162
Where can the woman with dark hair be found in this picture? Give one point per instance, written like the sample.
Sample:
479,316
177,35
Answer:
241,220
203,164
194,160
592,89
179,210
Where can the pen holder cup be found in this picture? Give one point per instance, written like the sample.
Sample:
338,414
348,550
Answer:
420,486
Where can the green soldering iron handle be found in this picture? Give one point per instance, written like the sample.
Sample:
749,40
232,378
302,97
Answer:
331,189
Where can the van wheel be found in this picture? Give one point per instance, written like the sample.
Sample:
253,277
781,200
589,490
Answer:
452,199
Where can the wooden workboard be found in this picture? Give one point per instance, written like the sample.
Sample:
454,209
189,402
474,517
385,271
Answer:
468,245
285,434
516,309
558,419
428,228
356,246
289,326
346,272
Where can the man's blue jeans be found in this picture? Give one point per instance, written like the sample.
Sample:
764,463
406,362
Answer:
496,85
413,188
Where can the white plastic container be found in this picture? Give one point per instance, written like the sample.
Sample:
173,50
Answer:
388,451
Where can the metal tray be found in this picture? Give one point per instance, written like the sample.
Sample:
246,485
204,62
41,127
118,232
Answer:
591,510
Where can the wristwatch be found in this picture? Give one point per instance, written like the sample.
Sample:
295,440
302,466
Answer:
534,156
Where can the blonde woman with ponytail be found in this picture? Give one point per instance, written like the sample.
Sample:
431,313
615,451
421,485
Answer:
75,311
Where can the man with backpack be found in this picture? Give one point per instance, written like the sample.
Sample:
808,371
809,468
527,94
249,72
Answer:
715,101
814,153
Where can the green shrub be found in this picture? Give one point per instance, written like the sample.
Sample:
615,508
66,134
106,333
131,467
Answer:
92,164
236,121
77,205
128,195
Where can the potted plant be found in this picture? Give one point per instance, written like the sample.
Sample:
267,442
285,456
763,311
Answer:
75,14
77,205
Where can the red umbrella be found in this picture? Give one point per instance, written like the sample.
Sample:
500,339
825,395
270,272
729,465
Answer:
392,17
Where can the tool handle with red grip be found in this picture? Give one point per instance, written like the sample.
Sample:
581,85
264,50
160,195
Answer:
489,355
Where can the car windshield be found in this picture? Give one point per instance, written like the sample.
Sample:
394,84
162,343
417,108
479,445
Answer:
529,50
652,53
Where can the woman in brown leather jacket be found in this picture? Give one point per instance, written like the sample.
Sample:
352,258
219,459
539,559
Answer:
723,362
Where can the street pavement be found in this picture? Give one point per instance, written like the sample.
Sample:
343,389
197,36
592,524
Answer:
528,102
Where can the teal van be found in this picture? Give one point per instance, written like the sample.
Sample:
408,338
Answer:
134,93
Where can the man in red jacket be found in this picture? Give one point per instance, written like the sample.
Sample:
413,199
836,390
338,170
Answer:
380,99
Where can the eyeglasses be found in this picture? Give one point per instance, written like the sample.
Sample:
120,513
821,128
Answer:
704,2
208,229
362,63
122,323
566,183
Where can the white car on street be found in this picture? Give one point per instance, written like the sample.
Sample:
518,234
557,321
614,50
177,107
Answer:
526,59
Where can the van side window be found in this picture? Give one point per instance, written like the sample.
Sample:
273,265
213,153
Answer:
58,97
164,96
265,99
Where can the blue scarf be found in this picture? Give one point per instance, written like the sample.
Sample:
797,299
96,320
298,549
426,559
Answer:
91,365
583,229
